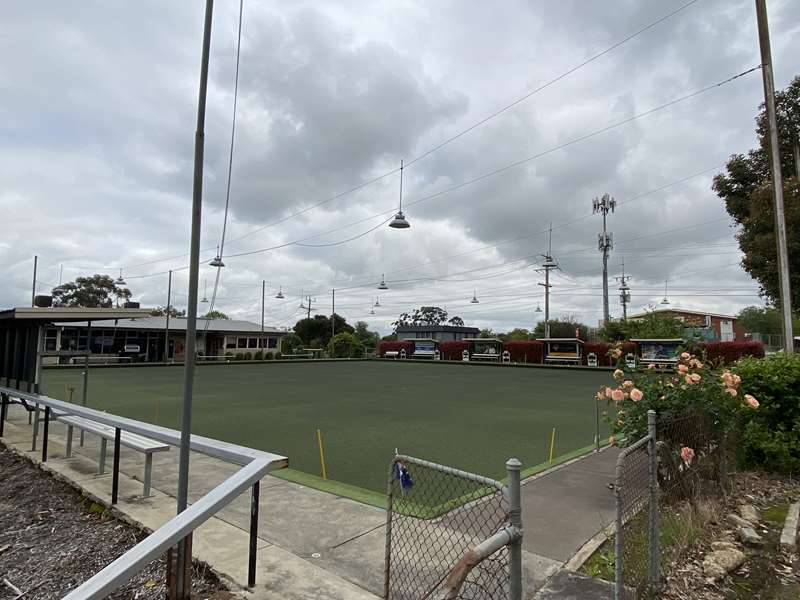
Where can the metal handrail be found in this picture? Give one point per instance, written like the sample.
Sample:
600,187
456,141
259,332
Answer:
256,464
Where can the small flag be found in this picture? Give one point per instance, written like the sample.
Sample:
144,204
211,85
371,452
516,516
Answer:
402,474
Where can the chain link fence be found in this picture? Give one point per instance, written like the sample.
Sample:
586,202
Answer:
451,534
665,487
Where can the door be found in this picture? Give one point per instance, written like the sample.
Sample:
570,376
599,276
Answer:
726,331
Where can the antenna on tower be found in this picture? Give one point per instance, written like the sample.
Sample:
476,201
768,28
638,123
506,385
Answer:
624,291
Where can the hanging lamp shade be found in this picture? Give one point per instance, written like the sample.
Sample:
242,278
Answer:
474,298
377,302
382,285
217,260
279,295
665,300
399,221
119,280
538,308
372,311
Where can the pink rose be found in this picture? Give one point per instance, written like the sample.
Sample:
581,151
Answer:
736,380
695,377
636,394
683,369
685,355
687,454
651,366
618,375
627,383
600,396
608,392
751,402
617,395
731,391
688,379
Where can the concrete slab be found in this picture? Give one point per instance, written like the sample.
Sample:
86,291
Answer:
568,585
563,509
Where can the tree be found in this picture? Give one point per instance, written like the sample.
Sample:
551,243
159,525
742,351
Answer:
161,311
763,319
564,327
745,189
316,331
364,335
486,333
345,345
216,314
654,325
97,291
291,342
517,334
427,315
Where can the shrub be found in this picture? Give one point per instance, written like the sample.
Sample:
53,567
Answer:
452,350
770,438
248,356
345,345
278,355
395,346
268,356
525,351
693,388
727,353
260,355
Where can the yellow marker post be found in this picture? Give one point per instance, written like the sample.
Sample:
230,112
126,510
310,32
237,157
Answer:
552,444
322,455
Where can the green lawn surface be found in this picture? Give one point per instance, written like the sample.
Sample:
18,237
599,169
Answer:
468,417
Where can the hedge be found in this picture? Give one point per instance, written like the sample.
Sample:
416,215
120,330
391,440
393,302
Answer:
522,351
388,346
601,350
729,352
452,350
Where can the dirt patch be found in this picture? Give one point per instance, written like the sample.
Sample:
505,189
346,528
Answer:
767,574
52,539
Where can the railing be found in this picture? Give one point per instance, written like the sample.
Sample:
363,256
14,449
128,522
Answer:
256,464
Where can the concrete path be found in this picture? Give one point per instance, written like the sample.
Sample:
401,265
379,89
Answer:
313,544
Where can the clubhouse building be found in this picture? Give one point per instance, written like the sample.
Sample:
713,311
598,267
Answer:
142,339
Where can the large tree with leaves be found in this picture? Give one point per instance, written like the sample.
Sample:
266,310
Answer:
427,315
97,291
745,189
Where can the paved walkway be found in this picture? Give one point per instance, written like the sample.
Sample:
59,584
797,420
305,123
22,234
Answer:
313,544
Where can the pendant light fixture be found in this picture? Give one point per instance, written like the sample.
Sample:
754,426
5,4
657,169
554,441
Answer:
279,295
474,297
119,280
399,221
217,260
382,285
665,301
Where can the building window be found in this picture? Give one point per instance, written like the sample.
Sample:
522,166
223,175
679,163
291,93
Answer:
230,342
252,342
50,340
241,342
272,342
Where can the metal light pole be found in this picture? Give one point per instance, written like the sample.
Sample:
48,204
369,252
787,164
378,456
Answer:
777,179
263,293
547,266
184,559
605,242
166,328
624,292
33,286
333,313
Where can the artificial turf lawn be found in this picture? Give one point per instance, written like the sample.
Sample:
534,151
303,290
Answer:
465,416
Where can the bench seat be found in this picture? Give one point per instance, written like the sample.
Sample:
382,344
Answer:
131,440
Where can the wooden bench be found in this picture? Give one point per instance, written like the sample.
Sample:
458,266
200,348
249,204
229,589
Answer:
131,440
485,356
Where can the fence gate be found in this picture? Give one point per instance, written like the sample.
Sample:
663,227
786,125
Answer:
452,534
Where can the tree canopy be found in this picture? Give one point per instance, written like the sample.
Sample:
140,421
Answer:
745,189
427,315
161,311
345,345
362,333
517,334
316,331
565,327
97,291
761,319
216,314
654,325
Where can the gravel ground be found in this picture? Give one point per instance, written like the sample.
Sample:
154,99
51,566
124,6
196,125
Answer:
52,539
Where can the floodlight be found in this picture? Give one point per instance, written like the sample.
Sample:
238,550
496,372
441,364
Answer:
119,280
399,221
474,298
279,295
382,285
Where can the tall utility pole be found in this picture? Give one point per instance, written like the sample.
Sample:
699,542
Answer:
184,559
166,328
796,148
263,296
333,313
33,286
777,178
624,292
605,242
547,265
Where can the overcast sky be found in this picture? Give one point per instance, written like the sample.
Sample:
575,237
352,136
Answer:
97,117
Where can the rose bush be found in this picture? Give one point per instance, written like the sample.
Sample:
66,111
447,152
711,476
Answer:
691,388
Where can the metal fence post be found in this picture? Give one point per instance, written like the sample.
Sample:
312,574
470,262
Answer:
251,565
513,467
115,474
45,432
388,553
655,559
596,425
618,581
3,409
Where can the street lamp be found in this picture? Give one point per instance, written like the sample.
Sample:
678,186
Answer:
217,260
279,295
474,297
399,221
382,285
119,280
